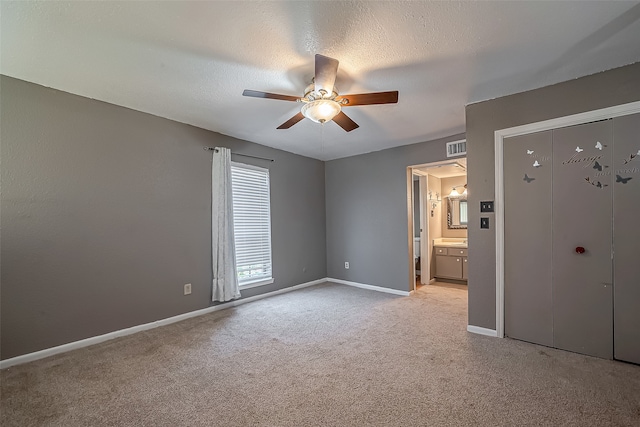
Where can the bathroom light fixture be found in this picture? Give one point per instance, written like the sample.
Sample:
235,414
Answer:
455,193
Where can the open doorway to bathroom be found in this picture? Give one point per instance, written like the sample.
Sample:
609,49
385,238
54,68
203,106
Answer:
438,223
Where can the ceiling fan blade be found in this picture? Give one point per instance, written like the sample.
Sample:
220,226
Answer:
326,71
258,94
292,121
370,98
345,122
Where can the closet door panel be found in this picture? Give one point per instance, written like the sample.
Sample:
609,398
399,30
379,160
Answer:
582,282
527,238
626,237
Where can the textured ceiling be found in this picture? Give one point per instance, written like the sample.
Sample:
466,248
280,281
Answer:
190,61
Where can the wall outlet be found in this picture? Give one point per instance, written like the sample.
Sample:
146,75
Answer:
187,289
346,265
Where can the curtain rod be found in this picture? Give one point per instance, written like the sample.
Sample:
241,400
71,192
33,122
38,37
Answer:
238,154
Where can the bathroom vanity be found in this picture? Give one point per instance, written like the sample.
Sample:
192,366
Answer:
451,258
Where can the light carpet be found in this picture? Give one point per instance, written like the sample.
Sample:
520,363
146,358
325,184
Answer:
328,355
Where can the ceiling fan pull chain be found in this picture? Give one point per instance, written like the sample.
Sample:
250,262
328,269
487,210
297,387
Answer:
322,140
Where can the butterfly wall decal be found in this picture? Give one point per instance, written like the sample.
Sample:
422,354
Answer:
631,157
578,149
529,152
597,166
536,164
598,145
596,183
527,179
622,180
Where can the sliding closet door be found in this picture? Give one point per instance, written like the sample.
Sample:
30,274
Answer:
527,238
626,237
582,239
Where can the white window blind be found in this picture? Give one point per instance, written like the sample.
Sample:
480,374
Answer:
251,223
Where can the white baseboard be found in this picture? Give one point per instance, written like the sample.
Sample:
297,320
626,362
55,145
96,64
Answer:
370,287
18,360
482,331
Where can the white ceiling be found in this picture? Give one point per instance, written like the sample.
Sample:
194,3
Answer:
450,169
190,61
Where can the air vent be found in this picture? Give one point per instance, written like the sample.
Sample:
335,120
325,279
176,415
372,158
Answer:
456,148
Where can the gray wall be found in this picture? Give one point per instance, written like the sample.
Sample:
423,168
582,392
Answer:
367,213
606,89
106,213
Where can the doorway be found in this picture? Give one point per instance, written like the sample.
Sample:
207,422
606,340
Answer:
437,222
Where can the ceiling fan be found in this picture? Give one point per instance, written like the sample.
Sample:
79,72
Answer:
322,103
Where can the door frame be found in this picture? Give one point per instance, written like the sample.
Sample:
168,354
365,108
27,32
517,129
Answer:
500,135
423,221
411,170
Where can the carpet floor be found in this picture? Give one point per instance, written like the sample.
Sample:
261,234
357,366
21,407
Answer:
328,355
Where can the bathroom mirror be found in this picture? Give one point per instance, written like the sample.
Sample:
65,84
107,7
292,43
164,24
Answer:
457,212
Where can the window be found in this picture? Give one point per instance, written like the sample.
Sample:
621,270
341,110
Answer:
463,213
251,224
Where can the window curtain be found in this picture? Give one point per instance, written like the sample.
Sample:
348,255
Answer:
225,280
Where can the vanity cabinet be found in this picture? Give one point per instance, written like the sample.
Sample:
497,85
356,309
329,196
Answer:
451,263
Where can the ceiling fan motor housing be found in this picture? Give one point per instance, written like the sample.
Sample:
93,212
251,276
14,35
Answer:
310,94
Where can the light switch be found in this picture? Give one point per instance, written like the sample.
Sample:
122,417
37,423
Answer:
484,222
486,206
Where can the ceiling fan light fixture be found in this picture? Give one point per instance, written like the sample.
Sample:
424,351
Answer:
321,110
